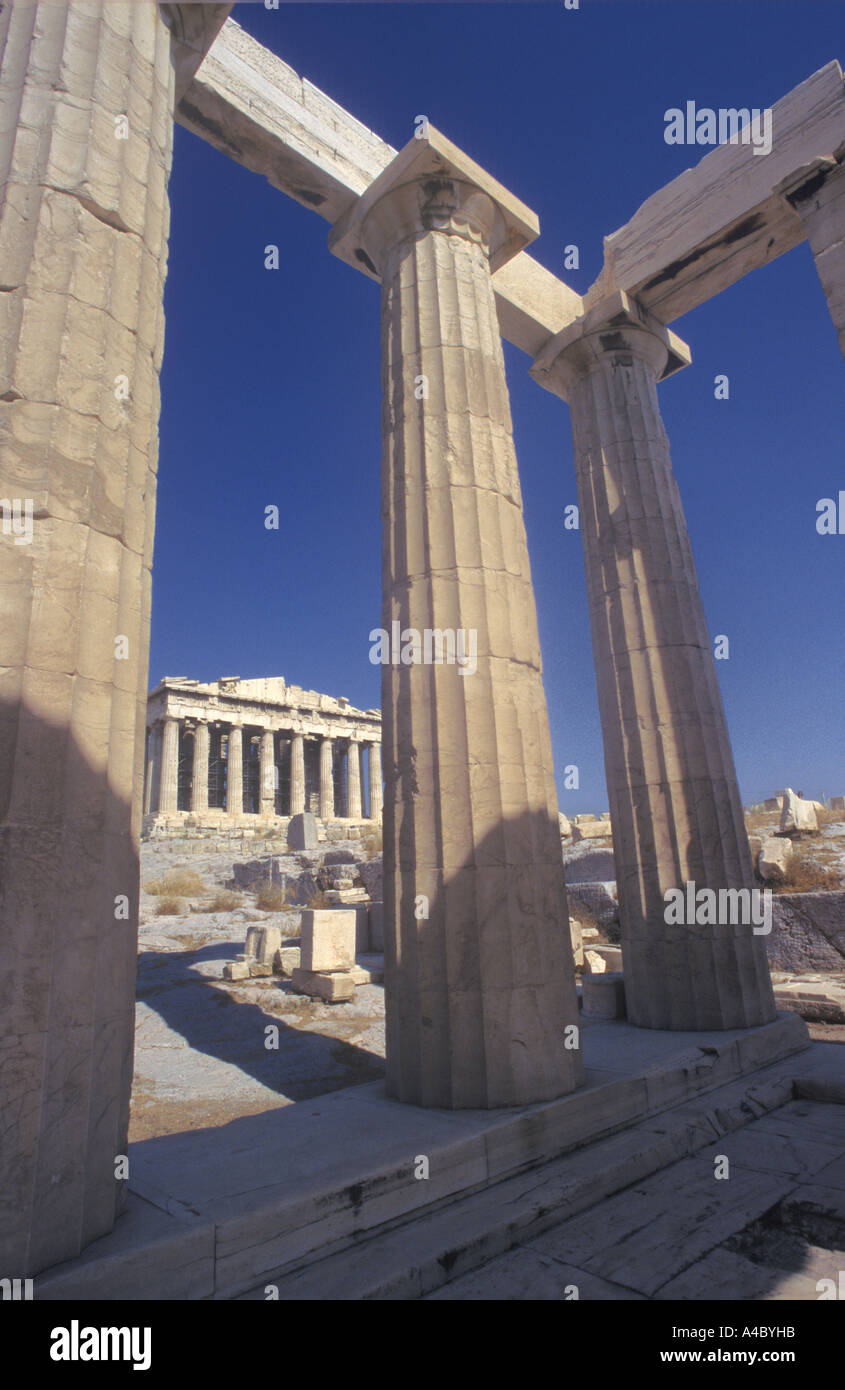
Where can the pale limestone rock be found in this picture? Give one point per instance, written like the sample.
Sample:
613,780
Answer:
798,817
591,830
335,987
773,862
328,939
286,960
594,962
577,942
236,970
564,824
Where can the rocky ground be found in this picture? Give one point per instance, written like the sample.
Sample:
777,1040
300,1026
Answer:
203,1053
201,1050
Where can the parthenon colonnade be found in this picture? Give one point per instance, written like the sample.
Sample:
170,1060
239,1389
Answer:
258,748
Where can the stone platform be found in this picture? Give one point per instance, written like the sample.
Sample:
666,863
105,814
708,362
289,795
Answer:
217,1213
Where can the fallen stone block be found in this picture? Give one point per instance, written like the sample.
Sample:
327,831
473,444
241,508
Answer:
258,970
302,831
262,943
328,939
798,817
774,857
603,996
611,955
577,942
598,830
332,986
565,827
368,969
594,963
236,970
286,960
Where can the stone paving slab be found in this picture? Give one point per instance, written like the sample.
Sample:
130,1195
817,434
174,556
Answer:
281,1187
649,1233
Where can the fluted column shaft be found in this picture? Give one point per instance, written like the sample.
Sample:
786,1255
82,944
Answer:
153,763
267,772
83,251
376,795
479,983
235,772
199,787
297,774
326,780
353,780
169,794
674,802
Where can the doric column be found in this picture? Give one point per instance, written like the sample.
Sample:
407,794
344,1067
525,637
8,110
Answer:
297,774
353,780
153,770
817,192
267,772
235,771
480,984
169,794
375,781
83,250
674,803
326,780
199,789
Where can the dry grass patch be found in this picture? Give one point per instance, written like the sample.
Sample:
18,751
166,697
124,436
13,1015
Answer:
271,898
318,900
169,906
177,883
805,875
224,901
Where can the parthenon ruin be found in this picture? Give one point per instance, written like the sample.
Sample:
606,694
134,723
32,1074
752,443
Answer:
244,752
480,991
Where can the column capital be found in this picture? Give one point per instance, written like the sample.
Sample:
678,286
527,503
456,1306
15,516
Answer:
431,185
617,330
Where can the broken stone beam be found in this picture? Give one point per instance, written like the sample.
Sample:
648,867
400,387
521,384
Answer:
83,242
479,975
715,222
674,801
254,108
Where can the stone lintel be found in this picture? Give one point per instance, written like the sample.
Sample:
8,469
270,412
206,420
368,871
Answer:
618,311
434,157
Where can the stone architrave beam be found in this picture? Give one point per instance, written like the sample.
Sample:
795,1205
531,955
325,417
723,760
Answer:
253,107
715,222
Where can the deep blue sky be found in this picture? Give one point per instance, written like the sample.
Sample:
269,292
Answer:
271,390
